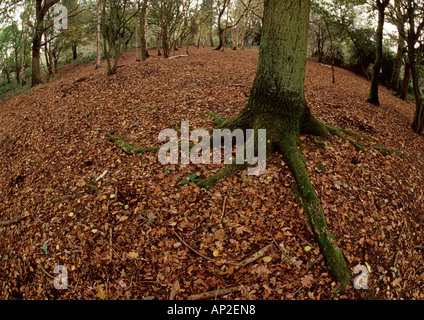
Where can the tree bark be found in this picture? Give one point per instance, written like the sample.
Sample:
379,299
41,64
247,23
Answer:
394,81
40,12
143,23
277,103
404,88
99,20
23,60
36,46
74,51
414,34
375,79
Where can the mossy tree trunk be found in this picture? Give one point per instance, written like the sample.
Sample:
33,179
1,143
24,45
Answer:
277,103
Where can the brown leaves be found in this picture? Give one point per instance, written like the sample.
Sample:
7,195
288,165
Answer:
56,144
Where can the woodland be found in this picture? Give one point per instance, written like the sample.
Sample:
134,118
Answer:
89,211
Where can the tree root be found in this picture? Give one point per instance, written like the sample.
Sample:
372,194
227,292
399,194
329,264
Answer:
13,220
4,140
386,151
229,169
338,132
120,143
287,144
214,293
313,211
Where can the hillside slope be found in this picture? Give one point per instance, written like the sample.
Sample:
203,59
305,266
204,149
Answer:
124,226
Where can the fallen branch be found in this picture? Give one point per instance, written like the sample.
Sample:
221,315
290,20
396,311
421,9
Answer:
213,293
180,56
61,198
13,220
223,209
246,261
256,255
202,255
117,140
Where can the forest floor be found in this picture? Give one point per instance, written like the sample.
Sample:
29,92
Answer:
126,228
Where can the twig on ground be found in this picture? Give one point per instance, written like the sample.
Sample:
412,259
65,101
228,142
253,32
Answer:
180,56
13,220
243,263
58,199
214,293
223,209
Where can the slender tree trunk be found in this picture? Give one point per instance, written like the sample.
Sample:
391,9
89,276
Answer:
23,60
36,46
220,39
99,20
414,60
74,51
48,55
418,122
159,43
143,24
211,37
375,79
394,82
137,53
403,90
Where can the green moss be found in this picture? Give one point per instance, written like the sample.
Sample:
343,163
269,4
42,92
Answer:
314,214
120,143
94,188
229,169
386,151
338,132
216,118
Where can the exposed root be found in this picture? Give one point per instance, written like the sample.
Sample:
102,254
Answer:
317,140
313,211
229,169
217,120
338,132
386,151
287,144
13,220
120,143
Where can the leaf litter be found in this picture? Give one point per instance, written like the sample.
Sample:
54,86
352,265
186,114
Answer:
112,219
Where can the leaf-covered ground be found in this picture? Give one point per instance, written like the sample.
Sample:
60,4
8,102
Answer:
126,228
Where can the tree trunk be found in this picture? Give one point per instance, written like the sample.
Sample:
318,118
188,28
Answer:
159,43
414,60
403,90
375,79
36,46
143,23
74,51
137,48
99,20
277,103
48,55
394,82
211,37
165,43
